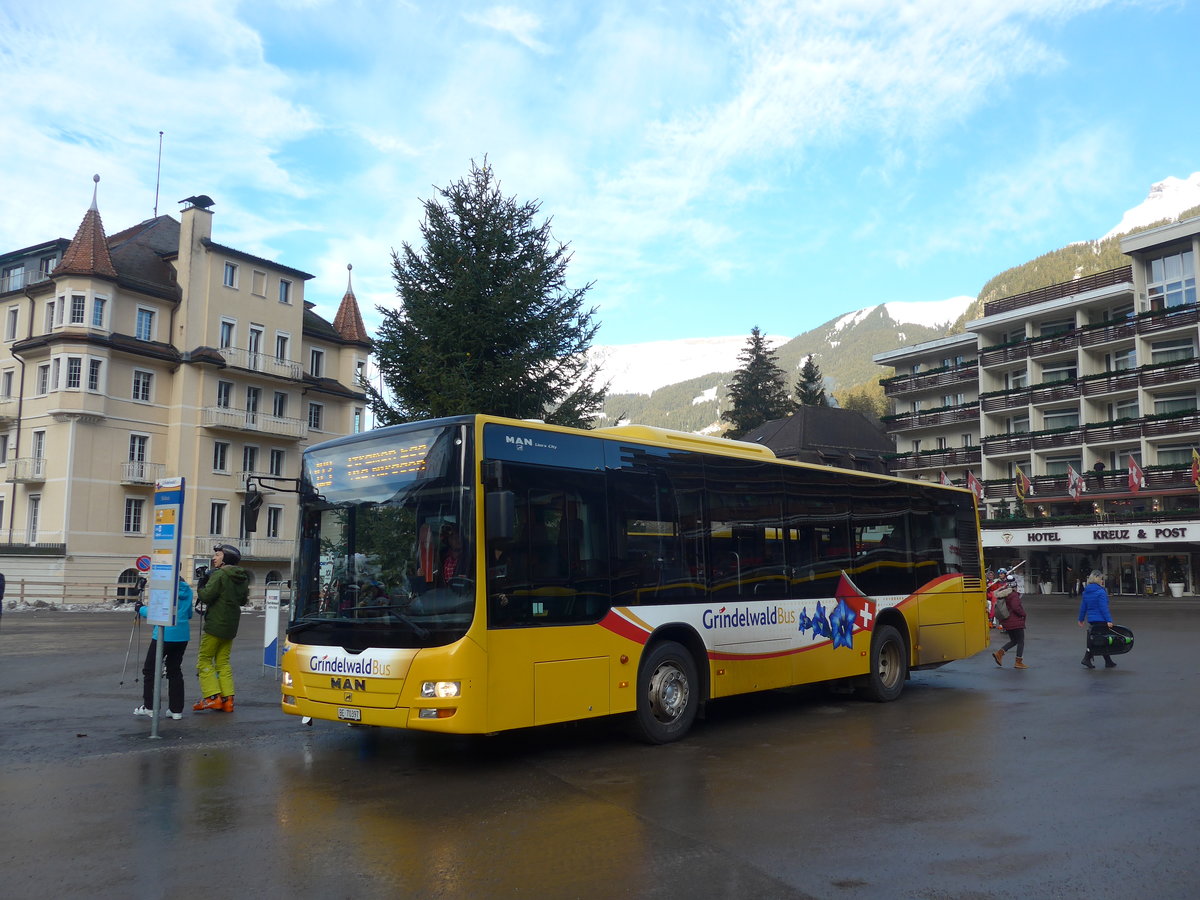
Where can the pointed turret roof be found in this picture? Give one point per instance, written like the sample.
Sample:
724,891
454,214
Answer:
88,252
349,321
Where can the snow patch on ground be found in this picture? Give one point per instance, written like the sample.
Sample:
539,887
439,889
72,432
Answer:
705,397
851,319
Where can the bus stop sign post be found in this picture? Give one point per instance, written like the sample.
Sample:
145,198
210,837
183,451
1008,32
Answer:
164,574
275,591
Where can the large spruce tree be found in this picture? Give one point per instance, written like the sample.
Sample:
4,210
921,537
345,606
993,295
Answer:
758,392
810,387
486,322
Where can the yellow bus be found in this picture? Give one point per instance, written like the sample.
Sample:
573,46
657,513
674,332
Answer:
477,574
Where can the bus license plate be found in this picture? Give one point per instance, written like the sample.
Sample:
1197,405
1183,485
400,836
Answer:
354,715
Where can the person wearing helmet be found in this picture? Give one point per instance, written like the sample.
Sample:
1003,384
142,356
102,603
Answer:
1013,623
223,591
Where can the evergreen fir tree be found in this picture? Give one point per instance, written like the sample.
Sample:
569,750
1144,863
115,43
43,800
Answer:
486,323
810,388
758,392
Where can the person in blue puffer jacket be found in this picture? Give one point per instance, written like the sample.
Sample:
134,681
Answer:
175,641
1094,610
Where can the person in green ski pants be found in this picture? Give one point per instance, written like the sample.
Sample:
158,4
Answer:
223,591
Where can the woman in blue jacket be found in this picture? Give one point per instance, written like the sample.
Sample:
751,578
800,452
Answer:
1094,610
175,641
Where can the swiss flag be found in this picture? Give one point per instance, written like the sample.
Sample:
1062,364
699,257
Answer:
975,484
1137,478
862,606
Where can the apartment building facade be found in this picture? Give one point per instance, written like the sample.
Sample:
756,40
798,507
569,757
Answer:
156,352
1077,407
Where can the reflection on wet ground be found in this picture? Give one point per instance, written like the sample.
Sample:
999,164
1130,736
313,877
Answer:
979,782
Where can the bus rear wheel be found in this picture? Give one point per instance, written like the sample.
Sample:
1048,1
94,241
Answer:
889,665
667,693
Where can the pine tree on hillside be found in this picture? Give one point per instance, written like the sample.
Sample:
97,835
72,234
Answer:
758,392
486,323
810,388
867,398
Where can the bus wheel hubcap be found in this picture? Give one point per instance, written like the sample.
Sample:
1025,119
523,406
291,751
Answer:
668,693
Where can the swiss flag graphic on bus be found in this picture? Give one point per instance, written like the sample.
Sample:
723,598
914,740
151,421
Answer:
855,612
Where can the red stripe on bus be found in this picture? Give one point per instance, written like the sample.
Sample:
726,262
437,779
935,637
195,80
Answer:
621,626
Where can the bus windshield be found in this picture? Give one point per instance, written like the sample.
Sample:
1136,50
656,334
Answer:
386,540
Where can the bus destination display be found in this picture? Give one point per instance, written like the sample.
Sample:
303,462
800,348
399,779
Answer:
386,464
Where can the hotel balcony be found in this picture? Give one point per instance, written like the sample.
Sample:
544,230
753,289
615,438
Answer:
27,470
967,373
935,459
135,472
1169,374
968,412
1117,278
1150,323
262,363
227,418
1106,485
1181,425
8,409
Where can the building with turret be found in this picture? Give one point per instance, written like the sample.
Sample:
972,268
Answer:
151,353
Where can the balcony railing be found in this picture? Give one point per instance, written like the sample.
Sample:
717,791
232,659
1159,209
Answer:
956,456
1153,322
252,547
1014,399
269,548
1006,354
1053,488
968,412
1106,333
1109,383
227,417
27,470
1164,320
261,362
140,472
967,373
1046,393
1112,278
1008,443
1173,373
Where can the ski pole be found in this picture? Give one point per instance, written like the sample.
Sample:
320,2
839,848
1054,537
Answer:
132,628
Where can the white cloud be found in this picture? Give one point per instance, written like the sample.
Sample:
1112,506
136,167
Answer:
518,24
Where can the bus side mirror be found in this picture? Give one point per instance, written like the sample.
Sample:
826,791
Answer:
250,507
501,515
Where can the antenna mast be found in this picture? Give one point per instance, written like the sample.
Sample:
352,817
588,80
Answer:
158,175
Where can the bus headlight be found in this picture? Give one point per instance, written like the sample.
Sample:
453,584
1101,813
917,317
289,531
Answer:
441,689
287,678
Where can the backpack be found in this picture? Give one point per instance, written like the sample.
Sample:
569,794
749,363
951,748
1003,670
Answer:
1001,608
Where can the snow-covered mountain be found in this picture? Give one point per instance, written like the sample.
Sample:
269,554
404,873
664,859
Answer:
682,383
643,368
1166,200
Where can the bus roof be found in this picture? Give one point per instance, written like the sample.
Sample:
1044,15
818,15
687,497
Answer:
684,440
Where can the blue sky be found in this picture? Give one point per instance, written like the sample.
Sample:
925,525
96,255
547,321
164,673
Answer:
713,166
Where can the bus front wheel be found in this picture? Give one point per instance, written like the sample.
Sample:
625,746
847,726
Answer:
889,665
667,693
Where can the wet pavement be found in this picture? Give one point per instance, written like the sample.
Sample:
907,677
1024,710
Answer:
978,783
